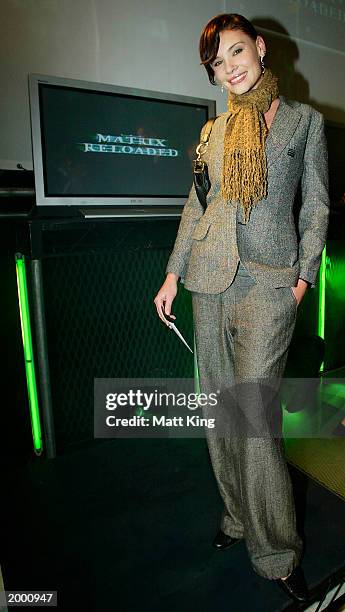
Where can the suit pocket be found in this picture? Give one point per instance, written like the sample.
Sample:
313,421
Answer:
201,229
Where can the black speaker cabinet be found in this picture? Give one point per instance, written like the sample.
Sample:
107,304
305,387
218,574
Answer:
92,285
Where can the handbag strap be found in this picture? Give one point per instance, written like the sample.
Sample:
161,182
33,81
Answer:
207,130
202,146
200,171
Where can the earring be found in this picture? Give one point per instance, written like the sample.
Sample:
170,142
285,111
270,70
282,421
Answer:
222,88
262,64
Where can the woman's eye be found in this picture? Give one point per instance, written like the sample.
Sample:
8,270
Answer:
239,49
216,64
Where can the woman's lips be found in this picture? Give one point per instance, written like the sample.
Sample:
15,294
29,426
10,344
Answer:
238,79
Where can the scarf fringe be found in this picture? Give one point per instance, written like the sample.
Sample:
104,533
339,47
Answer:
245,166
245,178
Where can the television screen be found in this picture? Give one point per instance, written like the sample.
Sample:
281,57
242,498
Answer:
103,144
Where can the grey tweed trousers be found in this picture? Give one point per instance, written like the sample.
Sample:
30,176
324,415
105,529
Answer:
243,334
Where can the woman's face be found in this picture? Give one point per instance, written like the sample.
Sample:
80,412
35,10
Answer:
237,65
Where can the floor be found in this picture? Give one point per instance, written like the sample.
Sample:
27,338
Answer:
127,524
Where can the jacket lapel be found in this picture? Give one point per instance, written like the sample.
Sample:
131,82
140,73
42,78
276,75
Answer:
281,131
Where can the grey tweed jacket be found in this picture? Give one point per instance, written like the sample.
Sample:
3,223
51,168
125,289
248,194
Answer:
209,245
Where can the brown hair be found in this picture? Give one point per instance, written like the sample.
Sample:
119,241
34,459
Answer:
209,39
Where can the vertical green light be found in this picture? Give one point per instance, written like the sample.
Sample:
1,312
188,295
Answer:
28,352
322,298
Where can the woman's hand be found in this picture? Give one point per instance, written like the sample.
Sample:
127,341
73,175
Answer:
300,290
165,297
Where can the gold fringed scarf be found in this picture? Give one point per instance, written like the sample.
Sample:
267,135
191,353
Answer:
245,167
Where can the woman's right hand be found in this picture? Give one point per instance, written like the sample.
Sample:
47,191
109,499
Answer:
165,297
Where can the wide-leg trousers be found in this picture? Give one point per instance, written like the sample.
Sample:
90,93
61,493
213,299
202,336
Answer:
243,334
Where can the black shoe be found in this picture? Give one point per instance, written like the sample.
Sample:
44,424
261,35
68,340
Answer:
222,541
295,585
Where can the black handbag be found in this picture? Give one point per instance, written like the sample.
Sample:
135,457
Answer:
200,171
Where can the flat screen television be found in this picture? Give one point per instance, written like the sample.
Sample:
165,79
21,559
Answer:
107,145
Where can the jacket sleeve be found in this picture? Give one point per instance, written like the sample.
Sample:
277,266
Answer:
192,212
314,212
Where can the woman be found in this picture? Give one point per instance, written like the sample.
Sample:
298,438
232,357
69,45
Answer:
248,271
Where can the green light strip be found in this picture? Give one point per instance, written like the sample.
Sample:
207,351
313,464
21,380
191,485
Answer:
28,352
322,299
